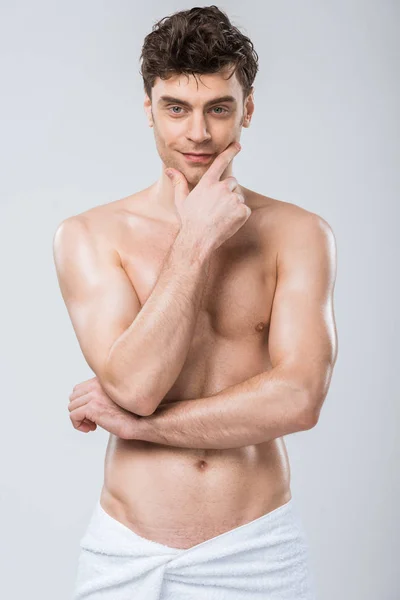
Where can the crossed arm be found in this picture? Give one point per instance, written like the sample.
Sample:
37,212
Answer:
257,410
286,399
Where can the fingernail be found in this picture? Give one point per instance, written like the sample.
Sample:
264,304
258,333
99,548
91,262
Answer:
168,173
238,146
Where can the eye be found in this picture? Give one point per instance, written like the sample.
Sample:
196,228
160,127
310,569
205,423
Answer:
222,108
175,113
225,110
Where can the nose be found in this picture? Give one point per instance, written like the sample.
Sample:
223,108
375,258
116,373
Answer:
197,130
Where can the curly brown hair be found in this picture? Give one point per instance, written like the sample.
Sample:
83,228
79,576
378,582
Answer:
199,40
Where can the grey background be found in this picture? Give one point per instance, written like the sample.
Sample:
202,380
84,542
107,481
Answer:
325,135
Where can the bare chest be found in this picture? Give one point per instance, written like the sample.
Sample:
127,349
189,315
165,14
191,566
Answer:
237,298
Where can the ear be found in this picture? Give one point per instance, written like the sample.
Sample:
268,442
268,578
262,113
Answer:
248,108
147,109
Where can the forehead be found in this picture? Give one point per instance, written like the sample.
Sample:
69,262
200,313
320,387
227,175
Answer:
207,86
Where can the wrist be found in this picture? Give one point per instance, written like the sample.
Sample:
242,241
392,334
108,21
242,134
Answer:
140,429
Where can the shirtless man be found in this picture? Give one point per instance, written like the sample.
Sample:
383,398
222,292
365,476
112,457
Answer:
205,310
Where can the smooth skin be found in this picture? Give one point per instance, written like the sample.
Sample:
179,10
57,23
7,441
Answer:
208,322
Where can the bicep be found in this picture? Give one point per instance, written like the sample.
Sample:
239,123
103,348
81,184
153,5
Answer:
100,299
303,337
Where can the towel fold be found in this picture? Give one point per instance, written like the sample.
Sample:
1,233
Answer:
266,558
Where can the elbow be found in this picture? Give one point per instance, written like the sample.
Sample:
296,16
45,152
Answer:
143,409
125,399
132,400
311,412
132,403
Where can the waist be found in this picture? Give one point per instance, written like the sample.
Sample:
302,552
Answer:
161,490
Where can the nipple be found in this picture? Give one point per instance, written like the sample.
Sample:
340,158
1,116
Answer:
260,326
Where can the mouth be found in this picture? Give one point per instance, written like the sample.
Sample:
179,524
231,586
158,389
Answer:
197,158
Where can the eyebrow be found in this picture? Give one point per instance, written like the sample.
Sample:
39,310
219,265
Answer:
171,99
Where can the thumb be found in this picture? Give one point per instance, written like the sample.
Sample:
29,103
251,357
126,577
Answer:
180,184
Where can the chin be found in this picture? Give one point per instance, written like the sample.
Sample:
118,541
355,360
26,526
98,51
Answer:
195,171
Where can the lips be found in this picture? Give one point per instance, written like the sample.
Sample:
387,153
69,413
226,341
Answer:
201,158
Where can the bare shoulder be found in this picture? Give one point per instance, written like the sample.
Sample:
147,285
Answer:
104,222
288,222
105,215
304,231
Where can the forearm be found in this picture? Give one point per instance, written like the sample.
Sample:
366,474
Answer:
147,358
257,410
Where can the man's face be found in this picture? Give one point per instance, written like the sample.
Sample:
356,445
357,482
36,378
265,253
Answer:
193,120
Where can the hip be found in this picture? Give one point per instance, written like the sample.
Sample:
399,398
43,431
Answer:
267,557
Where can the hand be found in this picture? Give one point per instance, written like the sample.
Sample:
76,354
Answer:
89,406
212,212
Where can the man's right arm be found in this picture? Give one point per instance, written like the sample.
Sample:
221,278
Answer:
136,352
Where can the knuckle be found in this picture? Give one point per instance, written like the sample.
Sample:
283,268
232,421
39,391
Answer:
226,184
242,208
230,183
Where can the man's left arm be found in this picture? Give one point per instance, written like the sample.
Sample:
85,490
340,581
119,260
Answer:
302,346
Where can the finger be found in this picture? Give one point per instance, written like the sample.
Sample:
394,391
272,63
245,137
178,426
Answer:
78,417
78,385
81,393
78,402
180,185
232,183
80,390
84,427
222,162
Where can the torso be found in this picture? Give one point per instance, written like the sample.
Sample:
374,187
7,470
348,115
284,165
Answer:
181,497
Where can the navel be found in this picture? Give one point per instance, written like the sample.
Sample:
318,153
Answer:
201,464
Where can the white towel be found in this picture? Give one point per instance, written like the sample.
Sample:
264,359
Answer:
266,558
